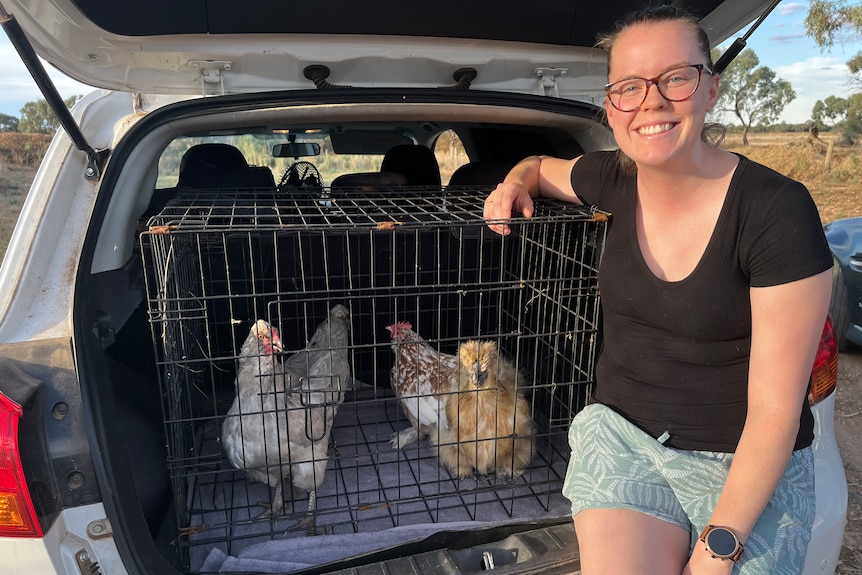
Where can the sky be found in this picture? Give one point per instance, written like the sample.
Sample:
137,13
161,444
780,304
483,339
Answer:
780,43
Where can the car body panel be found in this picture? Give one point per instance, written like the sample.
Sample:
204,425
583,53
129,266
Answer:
214,48
831,492
80,536
845,242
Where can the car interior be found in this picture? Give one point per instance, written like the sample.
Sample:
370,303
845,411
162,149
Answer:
226,233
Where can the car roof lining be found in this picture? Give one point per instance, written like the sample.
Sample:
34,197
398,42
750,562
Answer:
562,22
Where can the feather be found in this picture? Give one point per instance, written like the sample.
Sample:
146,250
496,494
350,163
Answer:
489,425
420,377
279,425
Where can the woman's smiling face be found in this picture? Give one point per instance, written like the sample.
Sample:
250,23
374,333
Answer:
659,132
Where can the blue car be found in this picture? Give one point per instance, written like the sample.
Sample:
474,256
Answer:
845,241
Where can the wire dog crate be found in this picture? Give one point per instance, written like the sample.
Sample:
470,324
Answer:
216,260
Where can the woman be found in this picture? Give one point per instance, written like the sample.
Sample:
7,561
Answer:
695,455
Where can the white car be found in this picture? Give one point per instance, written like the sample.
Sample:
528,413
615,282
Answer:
271,161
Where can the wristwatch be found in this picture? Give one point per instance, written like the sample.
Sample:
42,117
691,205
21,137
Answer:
721,543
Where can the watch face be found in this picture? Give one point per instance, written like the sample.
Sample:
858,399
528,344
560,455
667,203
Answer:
721,542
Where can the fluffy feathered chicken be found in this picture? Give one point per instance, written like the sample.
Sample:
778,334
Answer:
489,426
419,376
279,425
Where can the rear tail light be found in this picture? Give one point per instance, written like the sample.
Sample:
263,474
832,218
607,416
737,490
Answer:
824,376
17,517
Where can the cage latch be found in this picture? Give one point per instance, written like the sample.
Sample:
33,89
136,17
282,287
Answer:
211,72
548,80
487,561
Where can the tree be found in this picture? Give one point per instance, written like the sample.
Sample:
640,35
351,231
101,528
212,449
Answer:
827,18
752,93
854,64
852,125
831,110
38,117
8,123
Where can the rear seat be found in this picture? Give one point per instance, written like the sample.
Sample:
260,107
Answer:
212,165
480,173
364,182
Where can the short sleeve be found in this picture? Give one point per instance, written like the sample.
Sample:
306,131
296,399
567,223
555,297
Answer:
783,239
596,176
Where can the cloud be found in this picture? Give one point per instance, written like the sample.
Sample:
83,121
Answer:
19,88
792,8
787,38
813,79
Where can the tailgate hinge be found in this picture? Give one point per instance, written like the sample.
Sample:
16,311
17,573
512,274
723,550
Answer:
548,80
211,73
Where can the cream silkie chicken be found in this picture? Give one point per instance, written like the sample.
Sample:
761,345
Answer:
489,425
279,425
420,377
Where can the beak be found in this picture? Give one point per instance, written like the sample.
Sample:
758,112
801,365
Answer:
477,375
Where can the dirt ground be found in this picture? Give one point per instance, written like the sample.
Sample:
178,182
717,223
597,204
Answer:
848,430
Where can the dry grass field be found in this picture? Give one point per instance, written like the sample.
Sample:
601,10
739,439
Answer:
835,181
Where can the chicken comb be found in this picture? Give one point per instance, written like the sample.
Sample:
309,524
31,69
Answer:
398,327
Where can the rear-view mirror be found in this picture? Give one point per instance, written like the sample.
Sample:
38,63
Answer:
295,150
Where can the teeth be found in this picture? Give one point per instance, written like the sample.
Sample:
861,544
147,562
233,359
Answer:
651,130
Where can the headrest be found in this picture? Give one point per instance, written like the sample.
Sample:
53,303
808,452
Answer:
416,163
480,173
217,156
216,165
368,181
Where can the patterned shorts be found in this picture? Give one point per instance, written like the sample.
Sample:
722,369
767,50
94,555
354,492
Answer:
616,465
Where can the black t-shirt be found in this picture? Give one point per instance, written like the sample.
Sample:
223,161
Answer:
675,354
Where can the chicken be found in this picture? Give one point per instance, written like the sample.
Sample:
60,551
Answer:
279,425
489,426
419,376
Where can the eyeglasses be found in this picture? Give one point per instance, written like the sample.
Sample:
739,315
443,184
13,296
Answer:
675,85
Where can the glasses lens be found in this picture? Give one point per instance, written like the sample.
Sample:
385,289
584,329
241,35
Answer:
628,95
679,84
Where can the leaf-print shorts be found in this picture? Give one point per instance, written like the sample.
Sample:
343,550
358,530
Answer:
616,465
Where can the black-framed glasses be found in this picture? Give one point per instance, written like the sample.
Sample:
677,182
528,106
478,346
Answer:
674,85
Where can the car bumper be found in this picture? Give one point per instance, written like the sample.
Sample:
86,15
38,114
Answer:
80,537
831,491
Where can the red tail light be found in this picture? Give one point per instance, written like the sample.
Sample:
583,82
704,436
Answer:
824,376
17,517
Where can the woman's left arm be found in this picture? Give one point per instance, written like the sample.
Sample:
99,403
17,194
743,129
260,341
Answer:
787,322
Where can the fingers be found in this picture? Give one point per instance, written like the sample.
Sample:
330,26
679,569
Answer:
505,199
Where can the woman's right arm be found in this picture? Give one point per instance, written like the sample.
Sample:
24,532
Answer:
530,178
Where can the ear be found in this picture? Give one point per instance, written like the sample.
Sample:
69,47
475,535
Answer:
713,84
610,112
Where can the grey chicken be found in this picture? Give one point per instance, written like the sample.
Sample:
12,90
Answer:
279,425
